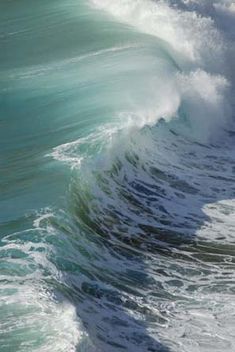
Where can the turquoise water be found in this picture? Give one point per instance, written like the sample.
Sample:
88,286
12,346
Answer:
117,176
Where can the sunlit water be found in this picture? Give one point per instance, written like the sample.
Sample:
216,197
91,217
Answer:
117,166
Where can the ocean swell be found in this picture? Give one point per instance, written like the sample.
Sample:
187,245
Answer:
117,229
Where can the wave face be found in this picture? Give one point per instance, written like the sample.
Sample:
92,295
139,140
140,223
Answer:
117,179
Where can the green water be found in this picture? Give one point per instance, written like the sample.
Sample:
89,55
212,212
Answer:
116,207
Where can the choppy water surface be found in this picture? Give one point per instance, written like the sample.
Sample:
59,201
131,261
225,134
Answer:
117,164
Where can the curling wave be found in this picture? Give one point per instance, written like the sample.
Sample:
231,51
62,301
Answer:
122,236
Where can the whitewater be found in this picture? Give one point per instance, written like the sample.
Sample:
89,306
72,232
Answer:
117,176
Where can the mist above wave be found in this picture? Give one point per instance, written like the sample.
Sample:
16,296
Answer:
194,35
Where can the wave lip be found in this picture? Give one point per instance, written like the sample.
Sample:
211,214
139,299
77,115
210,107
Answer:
201,90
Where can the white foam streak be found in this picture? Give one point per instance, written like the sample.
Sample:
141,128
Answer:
72,154
27,302
54,324
41,70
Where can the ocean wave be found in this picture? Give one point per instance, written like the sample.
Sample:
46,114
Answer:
132,108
